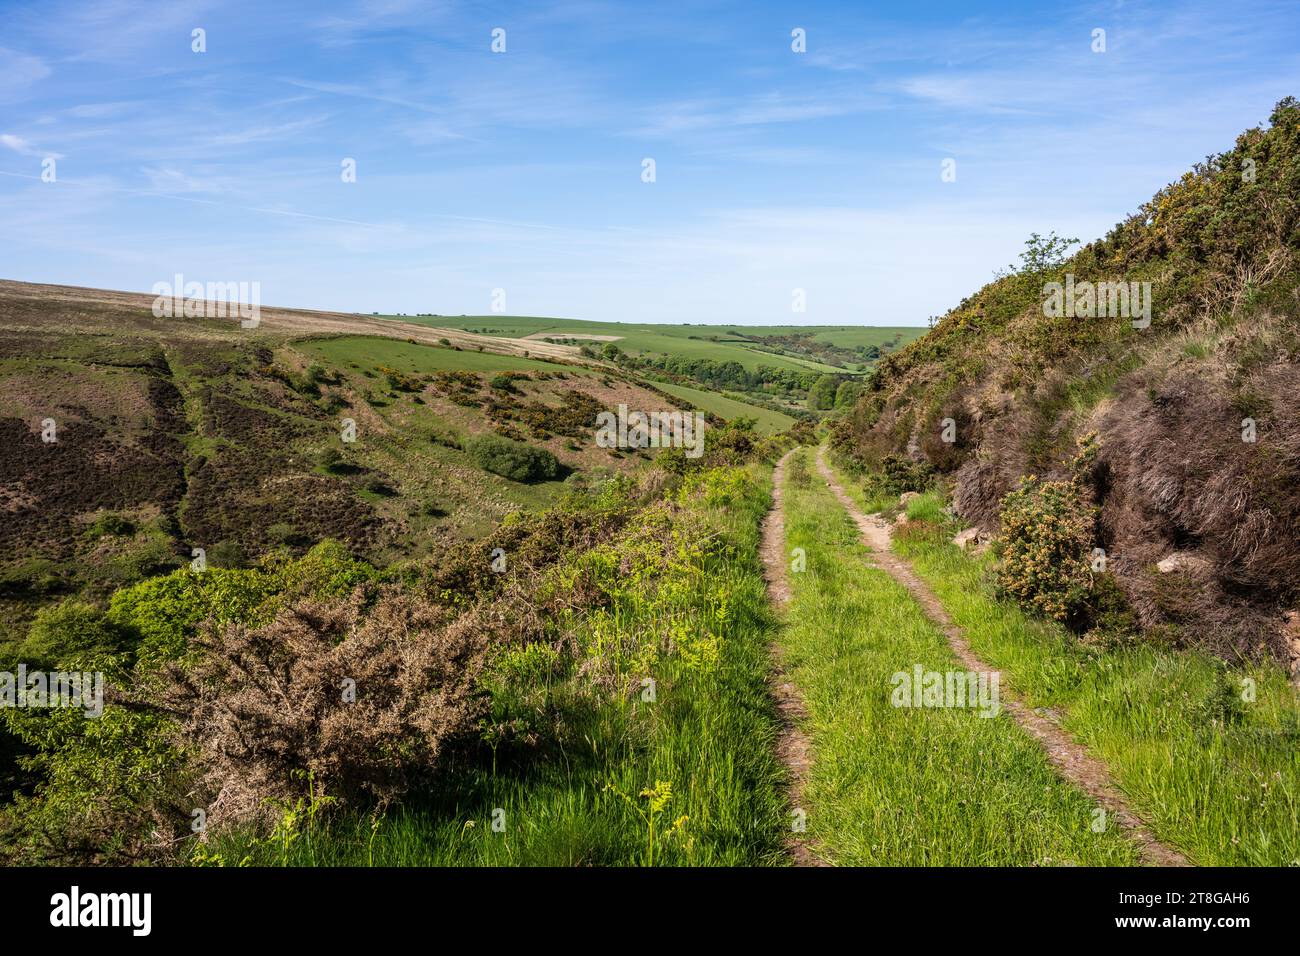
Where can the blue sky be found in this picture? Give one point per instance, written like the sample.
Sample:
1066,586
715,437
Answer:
522,170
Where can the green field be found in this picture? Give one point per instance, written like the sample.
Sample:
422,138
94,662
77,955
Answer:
370,351
721,343
769,422
414,359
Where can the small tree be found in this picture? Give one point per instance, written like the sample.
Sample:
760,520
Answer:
822,395
1042,253
847,393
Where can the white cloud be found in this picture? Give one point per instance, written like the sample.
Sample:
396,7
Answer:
24,148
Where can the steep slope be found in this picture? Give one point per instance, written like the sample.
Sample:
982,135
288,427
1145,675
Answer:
1196,414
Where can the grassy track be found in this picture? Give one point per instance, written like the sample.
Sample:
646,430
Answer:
904,786
1214,775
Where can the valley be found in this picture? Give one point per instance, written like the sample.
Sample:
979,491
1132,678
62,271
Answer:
1020,591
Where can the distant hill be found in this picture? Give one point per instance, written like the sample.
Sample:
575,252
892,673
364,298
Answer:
817,348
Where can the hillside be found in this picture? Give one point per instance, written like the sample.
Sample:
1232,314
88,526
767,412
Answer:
774,367
1189,425
175,434
819,348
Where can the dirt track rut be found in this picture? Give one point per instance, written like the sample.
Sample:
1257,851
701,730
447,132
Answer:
1071,760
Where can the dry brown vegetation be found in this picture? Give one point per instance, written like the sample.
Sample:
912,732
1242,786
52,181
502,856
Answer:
358,695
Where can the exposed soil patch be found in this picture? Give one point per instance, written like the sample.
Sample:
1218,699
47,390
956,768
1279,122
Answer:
1071,760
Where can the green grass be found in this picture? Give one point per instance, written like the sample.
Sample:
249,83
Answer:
769,422
687,341
577,800
893,786
927,507
1220,783
414,359
1213,775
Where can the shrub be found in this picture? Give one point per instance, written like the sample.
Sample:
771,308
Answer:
734,443
718,486
283,532
227,554
361,699
142,559
105,794
848,393
897,475
330,459
511,459
159,614
113,525
70,629
505,381
797,468
376,485
803,432
32,576
822,395
1047,533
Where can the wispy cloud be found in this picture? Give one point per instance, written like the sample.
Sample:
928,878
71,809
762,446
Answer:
764,109
24,148
19,72
523,170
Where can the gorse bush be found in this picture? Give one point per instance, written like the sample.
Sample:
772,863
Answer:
120,788
1049,528
359,695
111,524
1047,534
512,459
